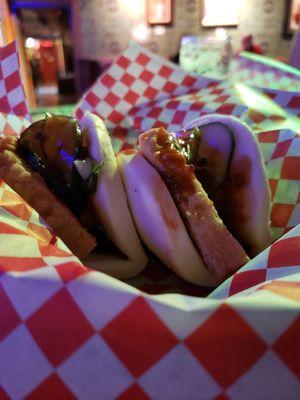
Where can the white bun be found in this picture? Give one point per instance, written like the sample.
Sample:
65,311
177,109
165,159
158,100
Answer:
111,206
256,230
158,221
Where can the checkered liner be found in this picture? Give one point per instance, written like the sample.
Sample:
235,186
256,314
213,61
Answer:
14,111
253,69
78,333
72,333
141,91
136,78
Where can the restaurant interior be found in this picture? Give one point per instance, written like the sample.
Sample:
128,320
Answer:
66,44
150,199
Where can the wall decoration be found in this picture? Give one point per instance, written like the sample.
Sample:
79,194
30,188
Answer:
114,47
268,6
191,6
159,12
112,5
263,19
221,13
153,46
292,20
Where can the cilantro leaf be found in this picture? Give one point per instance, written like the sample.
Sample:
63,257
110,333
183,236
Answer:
96,168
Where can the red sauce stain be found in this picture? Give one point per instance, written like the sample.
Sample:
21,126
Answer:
233,203
128,151
209,167
179,175
172,221
239,181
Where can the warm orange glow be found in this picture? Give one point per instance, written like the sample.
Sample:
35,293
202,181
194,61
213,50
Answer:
46,43
159,11
7,32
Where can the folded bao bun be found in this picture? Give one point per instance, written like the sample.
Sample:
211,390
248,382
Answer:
158,220
243,200
221,253
110,203
171,183
86,188
199,199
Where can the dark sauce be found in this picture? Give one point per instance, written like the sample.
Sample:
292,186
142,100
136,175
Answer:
177,174
230,195
207,164
50,147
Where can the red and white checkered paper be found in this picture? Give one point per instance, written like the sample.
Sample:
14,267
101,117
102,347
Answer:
68,332
259,71
14,113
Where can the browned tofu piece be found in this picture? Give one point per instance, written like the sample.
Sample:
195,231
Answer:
33,189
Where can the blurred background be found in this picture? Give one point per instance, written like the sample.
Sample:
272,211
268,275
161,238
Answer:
66,44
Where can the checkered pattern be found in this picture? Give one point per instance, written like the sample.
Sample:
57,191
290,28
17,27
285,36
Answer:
257,72
135,79
13,105
13,124
72,317
72,333
176,111
281,150
288,101
165,95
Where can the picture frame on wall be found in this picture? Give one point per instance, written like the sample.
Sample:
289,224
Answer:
159,12
220,13
292,18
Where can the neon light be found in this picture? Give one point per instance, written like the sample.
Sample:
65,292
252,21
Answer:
271,62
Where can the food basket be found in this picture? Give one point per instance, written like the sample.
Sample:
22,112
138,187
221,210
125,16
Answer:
69,332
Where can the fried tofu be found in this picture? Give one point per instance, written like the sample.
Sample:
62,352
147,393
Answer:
220,251
33,189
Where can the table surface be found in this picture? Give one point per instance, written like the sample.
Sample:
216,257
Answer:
65,109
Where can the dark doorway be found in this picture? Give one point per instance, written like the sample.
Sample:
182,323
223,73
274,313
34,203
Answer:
47,37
